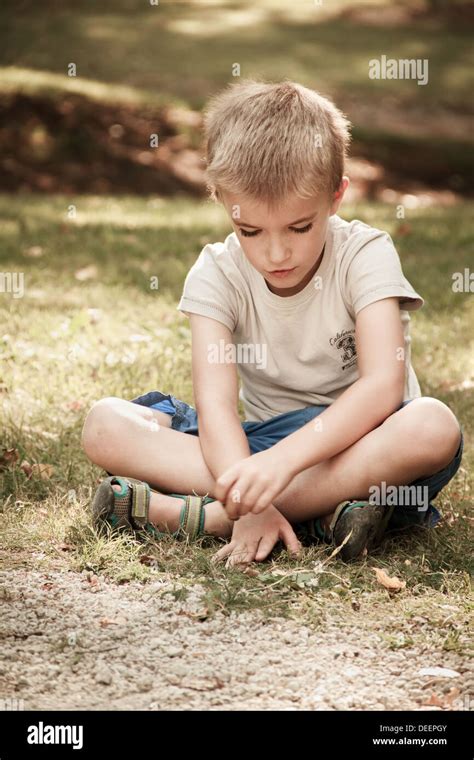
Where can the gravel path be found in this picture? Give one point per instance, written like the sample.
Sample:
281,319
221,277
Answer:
70,641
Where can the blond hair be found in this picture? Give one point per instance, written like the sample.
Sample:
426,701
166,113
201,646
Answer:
268,140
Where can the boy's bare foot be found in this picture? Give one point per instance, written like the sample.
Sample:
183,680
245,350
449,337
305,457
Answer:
164,512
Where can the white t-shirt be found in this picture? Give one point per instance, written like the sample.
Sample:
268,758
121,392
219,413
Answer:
297,351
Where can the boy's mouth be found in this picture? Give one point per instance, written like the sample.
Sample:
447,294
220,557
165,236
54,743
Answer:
281,272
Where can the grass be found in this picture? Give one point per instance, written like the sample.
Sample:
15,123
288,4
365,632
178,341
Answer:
186,50
70,341
180,53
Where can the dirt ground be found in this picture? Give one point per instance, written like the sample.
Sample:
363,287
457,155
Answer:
72,641
73,145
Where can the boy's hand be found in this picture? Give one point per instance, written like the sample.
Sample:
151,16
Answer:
254,536
251,484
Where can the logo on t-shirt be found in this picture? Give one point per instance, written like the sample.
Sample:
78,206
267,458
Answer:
345,342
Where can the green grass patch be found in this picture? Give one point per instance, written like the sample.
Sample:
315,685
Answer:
68,342
186,50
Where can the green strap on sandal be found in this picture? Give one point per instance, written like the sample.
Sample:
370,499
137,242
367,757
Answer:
192,516
128,508
128,514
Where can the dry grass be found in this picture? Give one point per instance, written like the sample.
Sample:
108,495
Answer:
68,342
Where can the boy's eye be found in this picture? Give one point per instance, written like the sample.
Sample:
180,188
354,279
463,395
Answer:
246,233
303,229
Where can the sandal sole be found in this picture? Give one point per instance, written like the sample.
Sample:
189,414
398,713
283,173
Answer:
365,523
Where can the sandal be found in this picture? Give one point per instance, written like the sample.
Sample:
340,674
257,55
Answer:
366,520
128,508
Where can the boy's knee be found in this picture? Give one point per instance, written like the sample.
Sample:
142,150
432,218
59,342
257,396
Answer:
100,425
435,429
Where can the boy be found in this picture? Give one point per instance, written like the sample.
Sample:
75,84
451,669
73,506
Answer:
314,312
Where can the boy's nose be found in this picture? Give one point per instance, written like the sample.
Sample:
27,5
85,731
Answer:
278,257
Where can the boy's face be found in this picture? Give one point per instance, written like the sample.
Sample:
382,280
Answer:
290,237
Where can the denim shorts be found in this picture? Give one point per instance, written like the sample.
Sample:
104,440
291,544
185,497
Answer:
263,435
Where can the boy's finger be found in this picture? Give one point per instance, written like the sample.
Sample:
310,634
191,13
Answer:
234,506
239,492
243,554
223,553
220,492
231,509
289,537
266,546
225,480
238,511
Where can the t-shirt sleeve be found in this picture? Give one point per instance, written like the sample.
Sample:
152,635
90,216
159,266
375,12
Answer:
372,271
208,288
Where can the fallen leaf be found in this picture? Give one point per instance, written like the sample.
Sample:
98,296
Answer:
45,471
201,615
76,406
104,622
47,586
444,700
393,584
404,229
26,467
9,458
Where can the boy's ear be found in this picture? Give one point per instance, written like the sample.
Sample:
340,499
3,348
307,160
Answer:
214,194
339,194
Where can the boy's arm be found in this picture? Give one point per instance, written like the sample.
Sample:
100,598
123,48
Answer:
376,394
367,403
216,387
224,443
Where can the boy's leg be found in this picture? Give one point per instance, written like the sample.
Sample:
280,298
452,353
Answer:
418,440
128,439
412,443
137,441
